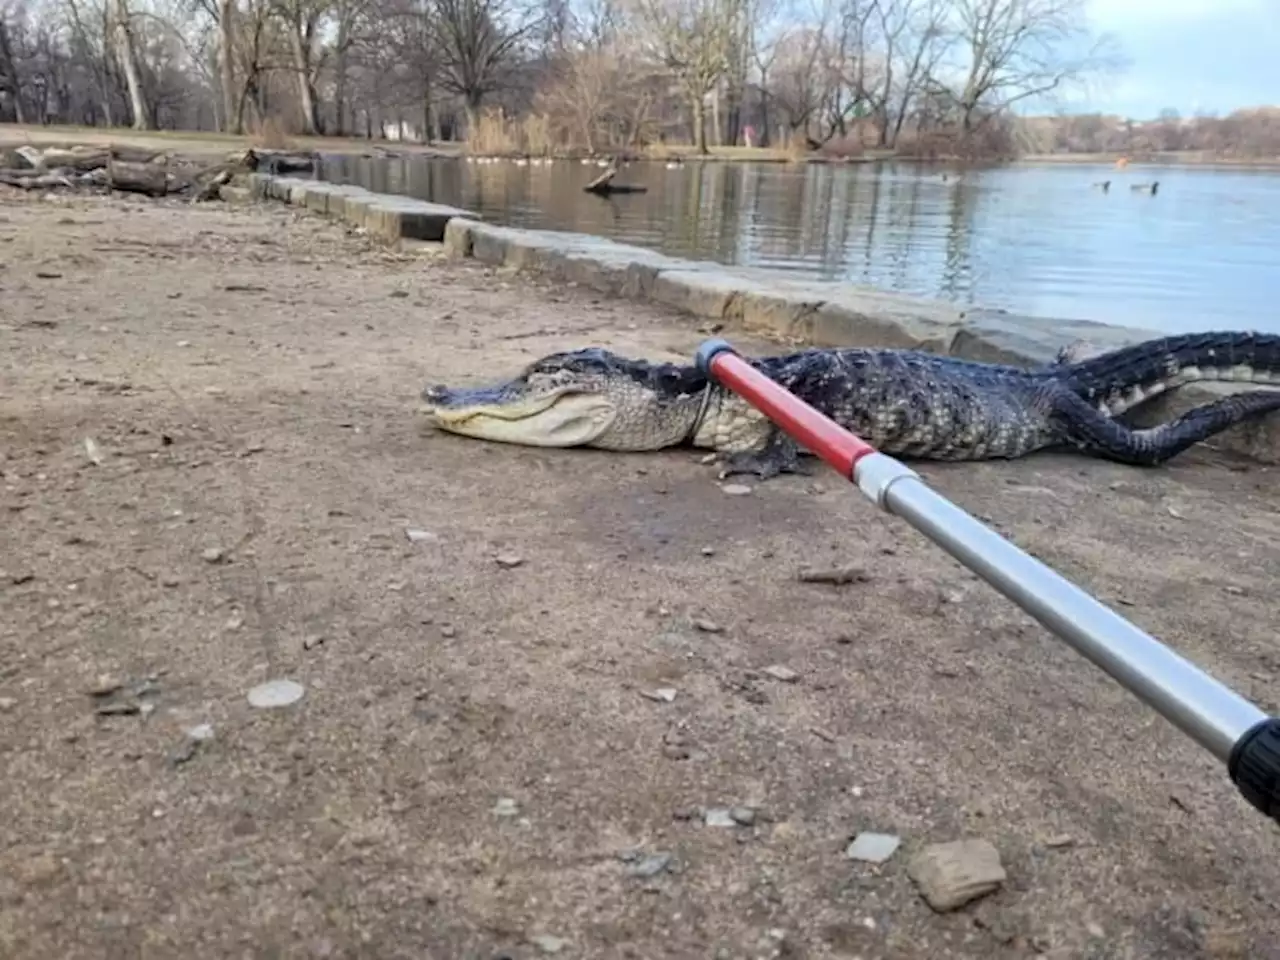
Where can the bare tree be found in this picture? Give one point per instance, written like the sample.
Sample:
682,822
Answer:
800,80
595,23
913,33
302,20
583,93
601,99
226,17
691,38
848,63
1013,50
225,14
347,16
937,77
127,53
478,41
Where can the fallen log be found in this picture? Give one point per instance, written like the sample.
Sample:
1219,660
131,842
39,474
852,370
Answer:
31,157
82,161
26,179
600,182
148,179
609,189
138,154
81,158
148,173
603,185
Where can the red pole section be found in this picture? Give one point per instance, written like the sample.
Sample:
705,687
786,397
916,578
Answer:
817,432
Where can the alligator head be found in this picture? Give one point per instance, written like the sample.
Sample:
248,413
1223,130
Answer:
588,397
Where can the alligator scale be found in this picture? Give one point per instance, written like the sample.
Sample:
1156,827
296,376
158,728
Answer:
908,404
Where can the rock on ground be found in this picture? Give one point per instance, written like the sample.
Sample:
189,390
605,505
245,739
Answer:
952,874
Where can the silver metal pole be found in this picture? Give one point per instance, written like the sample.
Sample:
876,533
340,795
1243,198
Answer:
1210,713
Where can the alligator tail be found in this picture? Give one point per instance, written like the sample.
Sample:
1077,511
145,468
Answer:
1094,432
1120,380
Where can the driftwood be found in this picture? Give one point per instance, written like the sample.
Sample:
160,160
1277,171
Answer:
609,189
81,159
28,155
137,170
149,179
208,184
150,174
601,182
603,185
30,180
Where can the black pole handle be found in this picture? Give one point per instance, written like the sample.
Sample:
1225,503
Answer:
1254,767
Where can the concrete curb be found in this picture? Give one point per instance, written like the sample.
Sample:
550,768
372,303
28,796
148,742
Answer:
386,217
755,300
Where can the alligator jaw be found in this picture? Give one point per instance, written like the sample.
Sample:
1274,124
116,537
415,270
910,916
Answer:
588,397
505,415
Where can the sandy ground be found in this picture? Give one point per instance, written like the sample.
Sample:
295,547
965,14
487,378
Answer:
475,770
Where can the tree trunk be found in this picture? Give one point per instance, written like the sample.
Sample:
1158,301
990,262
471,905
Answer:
302,65
733,123
700,124
244,102
101,69
9,72
340,83
717,125
766,130
472,106
233,116
137,97
734,97
428,114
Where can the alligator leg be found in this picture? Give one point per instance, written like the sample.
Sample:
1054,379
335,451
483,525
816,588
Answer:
780,454
1093,432
1074,352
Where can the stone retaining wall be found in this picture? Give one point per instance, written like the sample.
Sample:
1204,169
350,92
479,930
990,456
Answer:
768,302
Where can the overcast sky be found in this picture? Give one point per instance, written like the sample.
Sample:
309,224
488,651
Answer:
1191,55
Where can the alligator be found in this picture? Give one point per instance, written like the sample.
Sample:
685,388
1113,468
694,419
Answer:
911,404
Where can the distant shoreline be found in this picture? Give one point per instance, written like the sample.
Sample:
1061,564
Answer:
207,142
1190,158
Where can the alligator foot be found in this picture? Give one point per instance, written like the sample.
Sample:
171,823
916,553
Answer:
780,455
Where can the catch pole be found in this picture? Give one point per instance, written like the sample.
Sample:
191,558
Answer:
1213,715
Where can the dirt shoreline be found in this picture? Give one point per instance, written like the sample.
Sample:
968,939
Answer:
475,769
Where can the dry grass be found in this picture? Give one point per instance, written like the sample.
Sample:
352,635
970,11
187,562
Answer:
669,151
535,134
490,135
496,134
536,130
796,146
272,135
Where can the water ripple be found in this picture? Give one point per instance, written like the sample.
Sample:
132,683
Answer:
1204,252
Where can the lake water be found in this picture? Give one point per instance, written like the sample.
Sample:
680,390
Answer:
1203,253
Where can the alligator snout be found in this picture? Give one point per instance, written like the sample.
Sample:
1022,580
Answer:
436,393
